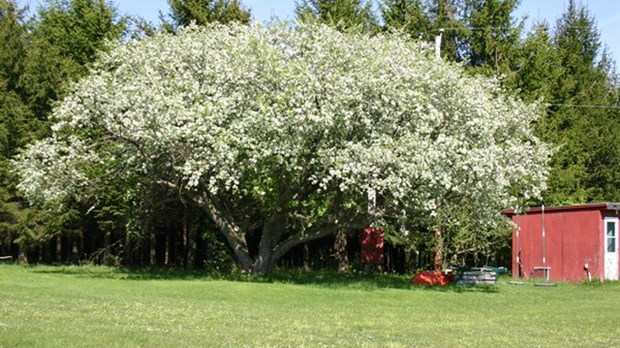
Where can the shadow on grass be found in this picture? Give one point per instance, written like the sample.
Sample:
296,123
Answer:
366,282
324,279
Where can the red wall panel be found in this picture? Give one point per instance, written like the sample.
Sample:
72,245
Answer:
572,239
372,245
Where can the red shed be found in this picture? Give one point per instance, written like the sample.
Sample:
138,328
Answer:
566,242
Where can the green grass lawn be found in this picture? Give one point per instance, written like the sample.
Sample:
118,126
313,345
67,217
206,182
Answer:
104,307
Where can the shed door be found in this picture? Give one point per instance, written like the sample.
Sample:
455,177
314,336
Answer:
611,248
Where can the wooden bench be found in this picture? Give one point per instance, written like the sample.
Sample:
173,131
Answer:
478,277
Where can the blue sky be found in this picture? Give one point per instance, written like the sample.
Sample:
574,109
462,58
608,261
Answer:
606,13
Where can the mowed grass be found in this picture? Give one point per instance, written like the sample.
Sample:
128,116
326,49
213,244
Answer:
105,307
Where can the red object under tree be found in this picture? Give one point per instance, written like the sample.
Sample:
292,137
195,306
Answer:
372,245
431,278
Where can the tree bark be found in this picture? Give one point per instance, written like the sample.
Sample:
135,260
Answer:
191,233
340,249
284,246
22,257
75,247
129,255
438,259
230,230
271,246
167,250
107,244
59,248
152,249
273,229
306,258
263,264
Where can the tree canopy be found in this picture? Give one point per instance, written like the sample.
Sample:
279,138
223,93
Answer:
340,14
41,56
583,114
293,126
202,12
66,39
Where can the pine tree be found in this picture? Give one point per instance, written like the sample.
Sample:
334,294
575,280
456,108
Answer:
583,116
344,15
448,20
411,16
202,12
494,36
14,115
66,38
42,58
537,65
13,40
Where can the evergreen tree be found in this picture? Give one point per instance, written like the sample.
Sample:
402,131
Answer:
583,116
14,115
411,16
537,65
344,15
66,38
447,20
13,38
202,12
42,57
494,37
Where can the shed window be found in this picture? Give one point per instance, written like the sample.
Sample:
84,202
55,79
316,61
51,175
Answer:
611,237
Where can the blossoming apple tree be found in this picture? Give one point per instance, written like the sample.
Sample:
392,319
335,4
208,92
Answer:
294,126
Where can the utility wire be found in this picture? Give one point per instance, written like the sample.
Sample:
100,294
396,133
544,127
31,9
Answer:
586,106
546,104
491,28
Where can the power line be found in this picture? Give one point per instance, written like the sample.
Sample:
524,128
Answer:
493,28
586,106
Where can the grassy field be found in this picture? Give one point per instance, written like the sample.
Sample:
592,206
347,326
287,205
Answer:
104,307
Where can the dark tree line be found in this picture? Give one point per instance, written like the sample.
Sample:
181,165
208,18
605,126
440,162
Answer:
562,63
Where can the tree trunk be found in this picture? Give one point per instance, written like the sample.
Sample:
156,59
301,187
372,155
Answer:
306,258
263,265
438,260
407,261
129,255
107,248
185,239
44,253
271,233
74,253
59,248
232,232
340,249
191,244
22,257
271,247
167,250
153,249
77,245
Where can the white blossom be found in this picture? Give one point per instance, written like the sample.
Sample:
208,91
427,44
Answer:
228,108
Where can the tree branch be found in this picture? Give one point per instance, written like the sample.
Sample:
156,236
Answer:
228,228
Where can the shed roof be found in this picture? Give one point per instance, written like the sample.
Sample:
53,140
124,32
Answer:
574,207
